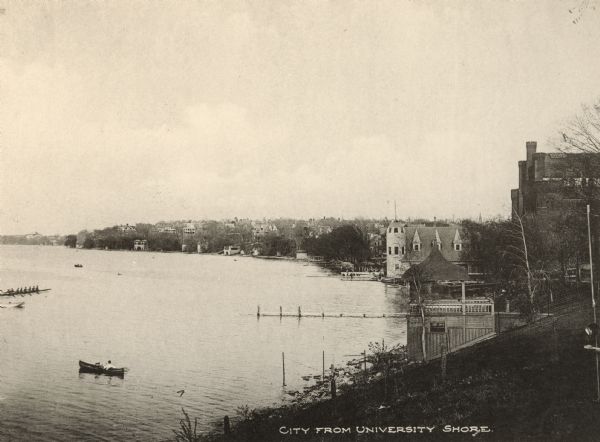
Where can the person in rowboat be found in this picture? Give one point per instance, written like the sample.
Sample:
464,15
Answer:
109,365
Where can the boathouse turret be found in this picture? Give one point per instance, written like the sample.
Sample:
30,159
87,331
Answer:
395,249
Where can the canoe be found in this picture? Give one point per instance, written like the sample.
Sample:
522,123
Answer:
86,367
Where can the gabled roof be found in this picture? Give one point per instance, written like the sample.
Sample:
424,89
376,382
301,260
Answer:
428,235
436,268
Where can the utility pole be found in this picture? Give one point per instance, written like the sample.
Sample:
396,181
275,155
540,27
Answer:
593,303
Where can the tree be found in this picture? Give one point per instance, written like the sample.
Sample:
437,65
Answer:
88,243
582,135
345,243
582,132
71,241
519,256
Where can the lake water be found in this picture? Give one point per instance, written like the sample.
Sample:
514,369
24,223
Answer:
178,322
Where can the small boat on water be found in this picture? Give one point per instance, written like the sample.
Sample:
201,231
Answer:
78,265
15,305
98,368
390,280
359,276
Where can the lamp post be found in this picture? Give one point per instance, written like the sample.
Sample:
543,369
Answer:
593,305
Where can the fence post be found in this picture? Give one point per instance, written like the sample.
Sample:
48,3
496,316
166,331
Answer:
443,350
333,388
226,426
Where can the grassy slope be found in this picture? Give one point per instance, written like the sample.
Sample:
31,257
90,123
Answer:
533,383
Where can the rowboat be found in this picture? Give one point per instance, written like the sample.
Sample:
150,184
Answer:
359,276
97,368
16,305
11,292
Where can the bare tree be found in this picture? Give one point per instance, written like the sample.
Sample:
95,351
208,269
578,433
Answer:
417,279
582,133
522,255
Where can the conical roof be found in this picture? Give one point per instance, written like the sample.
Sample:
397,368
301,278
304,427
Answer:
436,268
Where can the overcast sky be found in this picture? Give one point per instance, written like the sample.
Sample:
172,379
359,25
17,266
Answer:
130,111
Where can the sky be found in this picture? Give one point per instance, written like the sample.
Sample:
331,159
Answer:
127,111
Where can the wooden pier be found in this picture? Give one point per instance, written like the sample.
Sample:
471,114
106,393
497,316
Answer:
300,314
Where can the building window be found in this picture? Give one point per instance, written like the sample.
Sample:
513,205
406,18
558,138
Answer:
390,230
416,247
437,327
458,247
395,250
395,229
389,250
403,250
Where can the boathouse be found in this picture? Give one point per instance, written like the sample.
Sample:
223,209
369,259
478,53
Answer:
447,324
140,244
450,325
231,250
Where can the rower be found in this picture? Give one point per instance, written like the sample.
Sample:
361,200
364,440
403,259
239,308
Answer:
108,365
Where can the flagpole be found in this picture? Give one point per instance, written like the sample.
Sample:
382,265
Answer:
593,303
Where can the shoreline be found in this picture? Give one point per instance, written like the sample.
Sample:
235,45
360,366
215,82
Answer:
517,386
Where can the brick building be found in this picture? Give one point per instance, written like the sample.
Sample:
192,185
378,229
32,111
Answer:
551,183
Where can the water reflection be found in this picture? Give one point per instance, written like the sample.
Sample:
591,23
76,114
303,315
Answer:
102,379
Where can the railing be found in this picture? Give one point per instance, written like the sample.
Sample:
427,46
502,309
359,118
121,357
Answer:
471,306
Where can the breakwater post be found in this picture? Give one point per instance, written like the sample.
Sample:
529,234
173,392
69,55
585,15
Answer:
258,311
283,366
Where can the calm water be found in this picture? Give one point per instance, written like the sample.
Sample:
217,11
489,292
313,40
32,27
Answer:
177,322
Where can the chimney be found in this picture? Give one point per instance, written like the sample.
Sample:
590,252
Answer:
531,147
522,174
